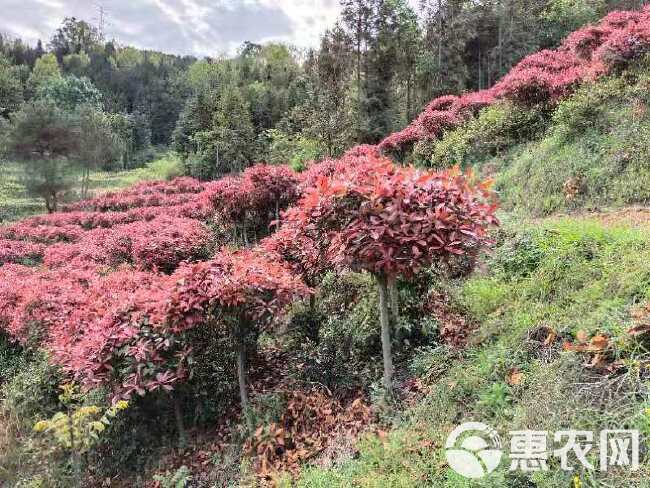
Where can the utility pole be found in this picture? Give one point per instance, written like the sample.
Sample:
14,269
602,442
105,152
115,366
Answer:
102,15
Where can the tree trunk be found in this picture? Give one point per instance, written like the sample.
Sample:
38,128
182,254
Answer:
241,374
180,426
394,301
385,333
408,98
359,79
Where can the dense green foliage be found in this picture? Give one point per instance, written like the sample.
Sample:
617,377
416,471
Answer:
565,275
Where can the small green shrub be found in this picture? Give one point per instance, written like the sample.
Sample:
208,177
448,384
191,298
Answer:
482,296
12,358
32,392
430,362
495,130
178,479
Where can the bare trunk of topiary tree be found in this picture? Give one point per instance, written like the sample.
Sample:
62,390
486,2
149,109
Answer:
242,373
394,301
180,425
385,332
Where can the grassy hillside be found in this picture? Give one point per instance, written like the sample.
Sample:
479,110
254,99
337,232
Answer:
551,284
16,204
546,283
589,152
536,336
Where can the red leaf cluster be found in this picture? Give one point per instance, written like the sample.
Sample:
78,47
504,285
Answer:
19,251
159,244
245,284
145,194
253,200
384,219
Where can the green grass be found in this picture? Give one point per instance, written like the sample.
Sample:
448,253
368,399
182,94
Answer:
597,140
564,274
16,204
593,143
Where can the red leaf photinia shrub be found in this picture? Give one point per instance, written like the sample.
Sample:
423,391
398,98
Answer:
159,244
246,283
393,221
270,189
20,251
44,234
543,77
388,220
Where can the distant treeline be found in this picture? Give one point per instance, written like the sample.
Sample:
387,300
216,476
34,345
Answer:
375,69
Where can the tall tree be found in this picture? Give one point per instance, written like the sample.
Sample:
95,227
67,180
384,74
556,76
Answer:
45,140
11,88
74,37
357,17
70,92
229,143
99,145
45,69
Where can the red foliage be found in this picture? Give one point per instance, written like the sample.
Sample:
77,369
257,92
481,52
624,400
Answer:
585,41
145,194
307,250
99,328
443,113
121,203
543,77
160,244
301,251
393,221
19,251
624,46
254,199
234,284
32,301
45,234
271,186
229,198
117,335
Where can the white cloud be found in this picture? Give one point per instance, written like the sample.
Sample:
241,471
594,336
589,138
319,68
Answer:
199,27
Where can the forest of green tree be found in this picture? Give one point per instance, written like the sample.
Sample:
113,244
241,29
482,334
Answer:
374,70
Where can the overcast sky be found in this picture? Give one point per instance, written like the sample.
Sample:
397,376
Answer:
199,27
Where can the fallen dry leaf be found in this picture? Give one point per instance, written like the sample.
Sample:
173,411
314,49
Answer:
550,338
514,377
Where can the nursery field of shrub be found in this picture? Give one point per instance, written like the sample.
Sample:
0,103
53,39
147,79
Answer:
333,326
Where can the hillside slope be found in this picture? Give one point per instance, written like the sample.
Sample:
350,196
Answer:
588,152
548,330
561,302
547,284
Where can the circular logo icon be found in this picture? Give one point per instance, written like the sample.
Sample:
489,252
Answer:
477,454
